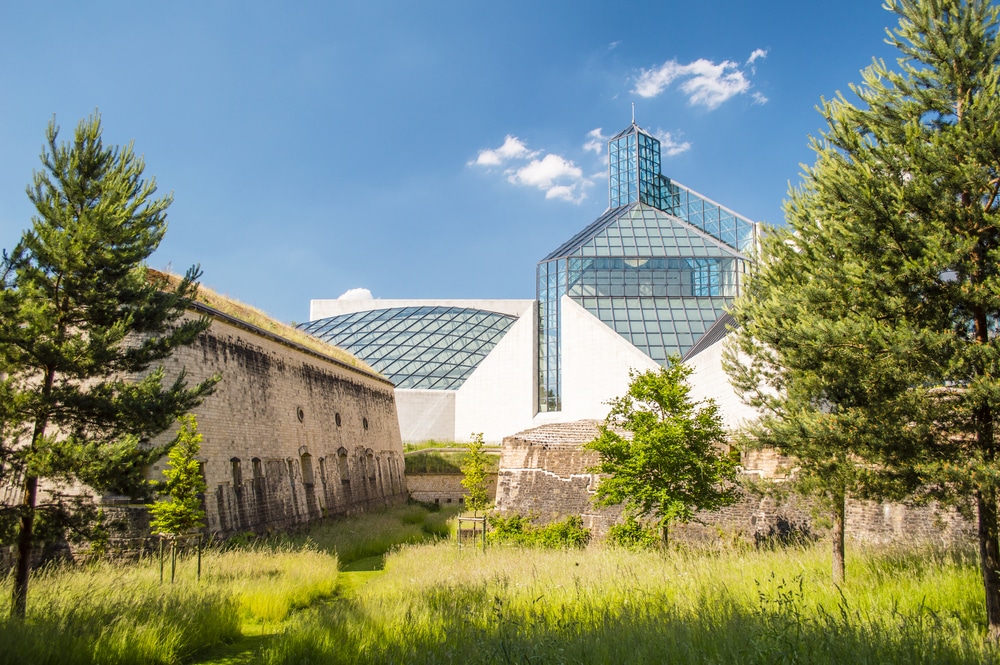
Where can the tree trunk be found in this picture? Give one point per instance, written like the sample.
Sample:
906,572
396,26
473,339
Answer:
839,510
986,495
989,556
26,536
19,601
663,534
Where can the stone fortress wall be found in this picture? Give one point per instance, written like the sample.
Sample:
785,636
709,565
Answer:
290,435
543,471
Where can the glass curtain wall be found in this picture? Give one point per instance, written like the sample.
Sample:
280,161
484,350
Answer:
659,266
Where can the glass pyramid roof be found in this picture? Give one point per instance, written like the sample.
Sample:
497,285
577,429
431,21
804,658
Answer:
417,347
639,230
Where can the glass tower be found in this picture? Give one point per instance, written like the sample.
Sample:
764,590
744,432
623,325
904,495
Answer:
659,266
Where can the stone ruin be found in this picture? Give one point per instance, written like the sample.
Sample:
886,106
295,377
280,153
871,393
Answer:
543,472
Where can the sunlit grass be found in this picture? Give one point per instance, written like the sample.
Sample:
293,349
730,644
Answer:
439,604
370,534
121,613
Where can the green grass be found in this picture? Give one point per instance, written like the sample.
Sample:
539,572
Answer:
433,462
437,604
371,534
424,445
278,602
120,613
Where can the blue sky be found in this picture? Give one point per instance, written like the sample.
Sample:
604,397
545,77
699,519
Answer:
418,149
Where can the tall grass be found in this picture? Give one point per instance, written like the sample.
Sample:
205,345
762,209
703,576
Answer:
111,613
436,604
372,534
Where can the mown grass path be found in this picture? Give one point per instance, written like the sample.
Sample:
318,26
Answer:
257,636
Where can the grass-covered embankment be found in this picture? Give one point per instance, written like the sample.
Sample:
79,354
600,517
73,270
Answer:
436,604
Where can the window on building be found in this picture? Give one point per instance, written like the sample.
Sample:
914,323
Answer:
237,473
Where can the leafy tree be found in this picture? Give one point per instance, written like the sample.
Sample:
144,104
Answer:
899,222
81,324
662,454
184,485
475,464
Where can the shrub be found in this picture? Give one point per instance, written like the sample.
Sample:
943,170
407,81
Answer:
632,535
520,530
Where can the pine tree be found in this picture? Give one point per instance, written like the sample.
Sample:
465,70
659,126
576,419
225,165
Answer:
82,323
675,461
184,485
475,463
895,238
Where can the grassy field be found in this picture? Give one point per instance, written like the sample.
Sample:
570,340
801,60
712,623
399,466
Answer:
113,613
290,600
436,604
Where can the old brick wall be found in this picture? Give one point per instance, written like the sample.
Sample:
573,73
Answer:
543,471
443,488
289,434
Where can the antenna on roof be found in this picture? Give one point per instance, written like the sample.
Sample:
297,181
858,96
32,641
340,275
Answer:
633,113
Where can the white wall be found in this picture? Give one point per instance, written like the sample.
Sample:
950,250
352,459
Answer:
595,365
498,398
709,381
426,415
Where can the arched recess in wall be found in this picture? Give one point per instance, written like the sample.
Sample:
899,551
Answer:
322,470
345,476
305,461
370,455
236,471
258,471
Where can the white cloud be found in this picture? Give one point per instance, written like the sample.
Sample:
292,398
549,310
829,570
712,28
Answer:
356,294
512,148
560,178
565,193
704,82
757,53
596,141
758,98
543,173
670,144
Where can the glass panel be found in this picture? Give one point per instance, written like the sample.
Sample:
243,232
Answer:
415,346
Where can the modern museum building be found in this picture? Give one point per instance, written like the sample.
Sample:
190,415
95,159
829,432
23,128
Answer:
649,279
